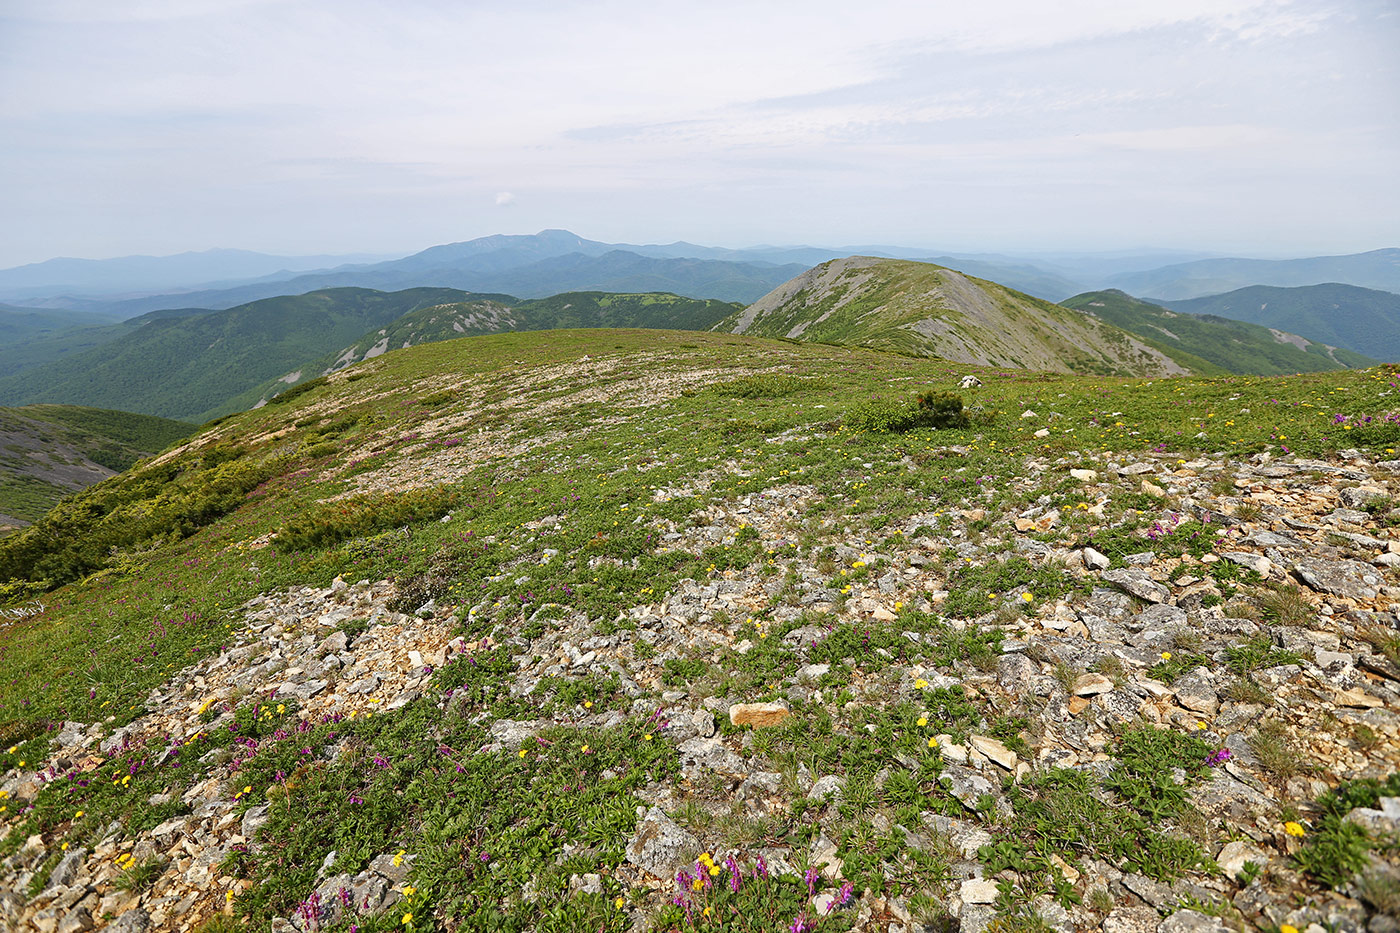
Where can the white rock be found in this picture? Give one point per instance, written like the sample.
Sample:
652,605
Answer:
994,750
978,891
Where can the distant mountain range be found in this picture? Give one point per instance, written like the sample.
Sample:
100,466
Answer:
1361,319
1232,345
1378,269
554,261
155,273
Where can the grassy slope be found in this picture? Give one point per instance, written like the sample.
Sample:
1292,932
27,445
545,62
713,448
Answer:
50,448
1363,320
491,314
384,403
889,304
501,422
1235,346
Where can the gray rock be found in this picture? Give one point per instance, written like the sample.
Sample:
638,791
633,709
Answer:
1195,690
829,786
254,820
1354,497
1131,920
1016,673
1191,921
303,691
1159,616
760,784
1153,892
660,847
78,920
978,891
1256,562
134,920
335,643
976,918
1347,578
1095,560
967,785
67,869
1139,584
700,755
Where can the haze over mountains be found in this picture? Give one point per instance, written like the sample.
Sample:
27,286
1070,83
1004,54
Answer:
194,355
555,261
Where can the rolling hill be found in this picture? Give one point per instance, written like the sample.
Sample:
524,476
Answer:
186,365
927,310
195,364
49,451
501,313
1363,320
1235,346
1378,269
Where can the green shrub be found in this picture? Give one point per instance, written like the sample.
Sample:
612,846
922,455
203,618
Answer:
297,390
362,515
938,410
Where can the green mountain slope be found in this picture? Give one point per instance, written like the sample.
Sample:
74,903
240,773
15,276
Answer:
197,364
1363,320
927,310
1234,346
49,451
187,365
493,314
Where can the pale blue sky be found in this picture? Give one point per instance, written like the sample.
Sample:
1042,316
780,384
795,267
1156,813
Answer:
1251,127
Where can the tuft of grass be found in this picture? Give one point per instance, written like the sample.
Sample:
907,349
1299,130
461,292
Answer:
1284,604
1275,750
1245,690
142,875
1384,640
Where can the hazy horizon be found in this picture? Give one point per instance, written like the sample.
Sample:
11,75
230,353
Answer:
1255,128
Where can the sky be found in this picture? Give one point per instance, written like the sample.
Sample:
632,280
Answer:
1245,127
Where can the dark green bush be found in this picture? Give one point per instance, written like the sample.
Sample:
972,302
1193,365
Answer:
938,410
362,515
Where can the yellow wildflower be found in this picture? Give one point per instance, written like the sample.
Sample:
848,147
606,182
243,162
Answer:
923,720
619,902
1294,829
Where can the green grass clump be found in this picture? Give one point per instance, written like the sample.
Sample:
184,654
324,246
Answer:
1336,849
975,590
1057,813
1143,777
85,532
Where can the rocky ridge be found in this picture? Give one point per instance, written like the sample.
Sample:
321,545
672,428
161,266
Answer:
1078,669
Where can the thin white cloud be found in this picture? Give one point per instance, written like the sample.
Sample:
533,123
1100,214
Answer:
321,110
